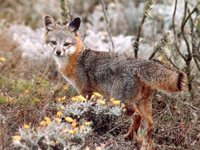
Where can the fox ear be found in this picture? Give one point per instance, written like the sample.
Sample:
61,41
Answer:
75,24
49,23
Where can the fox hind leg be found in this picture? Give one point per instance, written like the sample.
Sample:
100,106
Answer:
127,88
136,122
145,109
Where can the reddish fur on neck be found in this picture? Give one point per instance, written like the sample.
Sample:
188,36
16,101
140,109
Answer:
70,69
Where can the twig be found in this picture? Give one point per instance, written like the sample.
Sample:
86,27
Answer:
198,49
107,26
171,61
163,112
197,52
153,54
146,11
116,127
136,44
174,30
189,57
194,47
196,62
193,107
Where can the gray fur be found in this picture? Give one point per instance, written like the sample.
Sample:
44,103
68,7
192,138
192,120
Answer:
116,74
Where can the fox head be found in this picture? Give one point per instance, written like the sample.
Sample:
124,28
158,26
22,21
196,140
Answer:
62,40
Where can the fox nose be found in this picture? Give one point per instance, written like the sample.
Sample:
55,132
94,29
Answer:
58,52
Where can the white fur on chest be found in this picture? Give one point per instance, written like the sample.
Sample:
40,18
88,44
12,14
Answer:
62,63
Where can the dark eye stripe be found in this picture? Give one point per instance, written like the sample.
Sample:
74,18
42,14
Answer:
66,44
53,42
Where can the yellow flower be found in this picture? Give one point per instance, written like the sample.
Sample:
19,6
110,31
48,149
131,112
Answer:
76,129
80,97
74,124
16,137
82,127
64,87
8,99
62,107
2,59
48,120
71,131
97,94
93,96
101,102
57,120
112,99
63,98
74,99
26,126
59,113
69,119
123,105
160,58
42,123
26,91
88,123
37,100
59,99
98,148
116,102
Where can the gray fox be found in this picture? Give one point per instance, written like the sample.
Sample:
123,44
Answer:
121,77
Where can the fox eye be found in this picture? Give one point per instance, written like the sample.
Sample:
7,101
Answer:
66,44
54,42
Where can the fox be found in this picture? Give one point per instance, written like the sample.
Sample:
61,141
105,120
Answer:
128,79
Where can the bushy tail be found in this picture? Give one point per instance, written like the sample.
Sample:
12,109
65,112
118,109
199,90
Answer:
162,77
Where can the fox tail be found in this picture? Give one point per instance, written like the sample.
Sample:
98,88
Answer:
162,77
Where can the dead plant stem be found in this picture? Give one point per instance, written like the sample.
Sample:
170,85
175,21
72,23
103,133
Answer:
107,26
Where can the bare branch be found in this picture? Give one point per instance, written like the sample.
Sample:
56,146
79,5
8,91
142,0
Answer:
194,47
198,49
189,15
107,26
174,30
171,61
189,57
197,63
189,53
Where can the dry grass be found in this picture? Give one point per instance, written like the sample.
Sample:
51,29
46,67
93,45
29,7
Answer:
18,74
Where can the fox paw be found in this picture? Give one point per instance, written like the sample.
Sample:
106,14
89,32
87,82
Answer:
130,137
